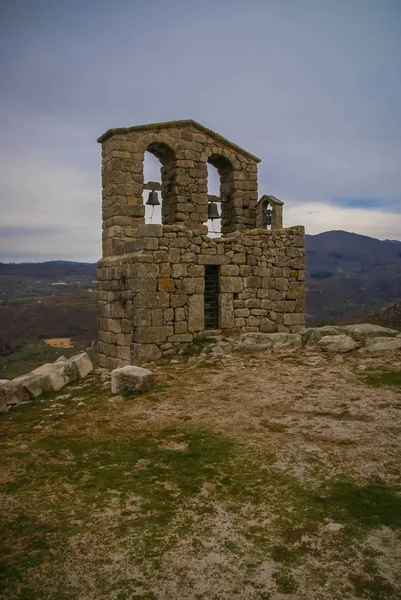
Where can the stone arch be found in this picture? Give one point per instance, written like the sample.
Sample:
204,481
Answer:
168,159
276,214
225,170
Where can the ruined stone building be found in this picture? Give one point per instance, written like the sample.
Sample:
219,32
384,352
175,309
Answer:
162,286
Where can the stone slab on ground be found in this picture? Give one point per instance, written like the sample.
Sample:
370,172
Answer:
60,373
336,343
34,383
382,344
83,364
363,331
13,393
131,379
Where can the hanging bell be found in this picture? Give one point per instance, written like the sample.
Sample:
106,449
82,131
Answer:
153,199
212,211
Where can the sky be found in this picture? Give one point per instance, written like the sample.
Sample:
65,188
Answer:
312,87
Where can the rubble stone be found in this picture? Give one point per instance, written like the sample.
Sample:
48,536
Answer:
131,379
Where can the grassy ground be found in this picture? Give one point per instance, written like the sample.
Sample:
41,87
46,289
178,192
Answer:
34,354
252,477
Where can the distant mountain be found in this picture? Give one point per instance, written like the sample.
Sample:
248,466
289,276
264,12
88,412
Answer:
389,316
54,268
349,275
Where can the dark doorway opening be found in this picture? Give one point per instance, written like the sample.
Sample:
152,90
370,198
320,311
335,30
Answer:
211,297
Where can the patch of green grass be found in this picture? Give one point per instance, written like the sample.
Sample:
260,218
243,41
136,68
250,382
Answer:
374,588
384,378
366,506
277,427
25,545
286,583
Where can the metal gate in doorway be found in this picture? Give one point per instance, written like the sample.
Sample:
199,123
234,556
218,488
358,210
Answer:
211,297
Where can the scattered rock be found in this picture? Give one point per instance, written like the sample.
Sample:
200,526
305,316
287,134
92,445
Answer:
131,379
337,359
13,393
60,373
83,364
382,344
312,335
34,383
256,342
334,527
3,405
336,343
363,331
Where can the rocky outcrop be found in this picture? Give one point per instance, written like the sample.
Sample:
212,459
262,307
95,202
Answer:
331,339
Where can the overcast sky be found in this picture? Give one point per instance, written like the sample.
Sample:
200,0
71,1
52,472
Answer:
312,87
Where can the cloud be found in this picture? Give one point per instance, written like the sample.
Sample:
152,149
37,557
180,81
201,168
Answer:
313,88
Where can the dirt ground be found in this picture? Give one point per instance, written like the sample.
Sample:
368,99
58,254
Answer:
264,476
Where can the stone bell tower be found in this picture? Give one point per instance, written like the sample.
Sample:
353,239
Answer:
162,286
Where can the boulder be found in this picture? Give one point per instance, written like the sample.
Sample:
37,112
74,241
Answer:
83,364
131,379
251,342
312,335
3,405
336,343
60,373
13,393
258,342
34,383
382,344
363,331
285,341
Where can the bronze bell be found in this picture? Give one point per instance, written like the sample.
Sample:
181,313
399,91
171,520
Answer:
153,199
212,211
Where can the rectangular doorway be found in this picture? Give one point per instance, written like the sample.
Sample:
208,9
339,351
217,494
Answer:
211,297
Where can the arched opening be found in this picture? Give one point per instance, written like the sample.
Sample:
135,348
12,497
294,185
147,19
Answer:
159,170
213,190
220,183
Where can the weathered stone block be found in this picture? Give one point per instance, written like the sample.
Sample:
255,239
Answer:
166,284
151,300
194,285
82,363
231,284
149,230
131,379
152,335
181,337
229,270
180,327
142,353
196,312
59,373
294,319
226,311
179,270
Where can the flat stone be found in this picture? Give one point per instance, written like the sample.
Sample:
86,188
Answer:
382,344
336,343
312,335
361,331
131,379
